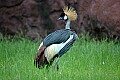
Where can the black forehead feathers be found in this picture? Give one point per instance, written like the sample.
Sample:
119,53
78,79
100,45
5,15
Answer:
62,15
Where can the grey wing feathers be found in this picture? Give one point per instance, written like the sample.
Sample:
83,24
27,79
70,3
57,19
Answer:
57,37
67,46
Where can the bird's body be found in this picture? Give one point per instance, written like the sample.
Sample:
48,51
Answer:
55,45
60,39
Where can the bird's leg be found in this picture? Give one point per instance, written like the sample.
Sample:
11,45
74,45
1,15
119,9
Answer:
56,63
57,67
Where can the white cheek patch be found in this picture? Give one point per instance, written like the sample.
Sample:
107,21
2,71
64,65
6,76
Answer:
65,17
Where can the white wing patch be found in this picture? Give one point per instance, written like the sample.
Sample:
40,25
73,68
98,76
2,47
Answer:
40,45
53,49
58,47
49,52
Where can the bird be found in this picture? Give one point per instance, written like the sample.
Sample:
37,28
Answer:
58,42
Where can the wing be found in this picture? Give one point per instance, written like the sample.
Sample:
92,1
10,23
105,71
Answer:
68,45
57,37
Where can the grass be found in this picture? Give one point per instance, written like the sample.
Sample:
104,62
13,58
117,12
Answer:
86,60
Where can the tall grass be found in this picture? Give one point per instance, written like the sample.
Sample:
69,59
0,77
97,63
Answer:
86,60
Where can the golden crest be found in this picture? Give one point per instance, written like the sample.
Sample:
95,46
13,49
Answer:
70,12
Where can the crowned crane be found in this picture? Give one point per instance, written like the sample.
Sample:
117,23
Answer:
57,43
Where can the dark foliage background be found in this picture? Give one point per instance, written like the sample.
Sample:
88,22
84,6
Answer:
37,18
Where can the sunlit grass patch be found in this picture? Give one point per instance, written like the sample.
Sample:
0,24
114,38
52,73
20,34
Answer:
86,60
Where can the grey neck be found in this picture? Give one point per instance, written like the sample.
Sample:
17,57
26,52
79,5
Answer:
67,24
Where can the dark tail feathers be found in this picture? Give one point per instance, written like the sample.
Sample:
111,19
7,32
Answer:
40,59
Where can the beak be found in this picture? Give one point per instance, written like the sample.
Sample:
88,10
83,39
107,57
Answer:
60,18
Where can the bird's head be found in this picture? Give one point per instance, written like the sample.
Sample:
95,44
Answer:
68,14
63,16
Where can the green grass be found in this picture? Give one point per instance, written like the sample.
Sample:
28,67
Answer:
86,60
